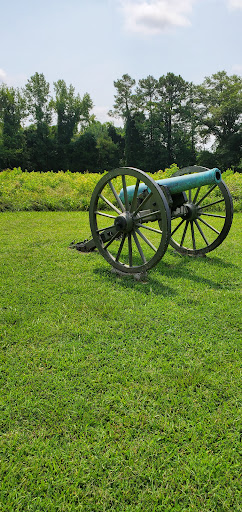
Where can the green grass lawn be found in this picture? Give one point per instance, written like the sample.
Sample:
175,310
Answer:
117,395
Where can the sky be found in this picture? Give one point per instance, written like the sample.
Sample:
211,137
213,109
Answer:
92,43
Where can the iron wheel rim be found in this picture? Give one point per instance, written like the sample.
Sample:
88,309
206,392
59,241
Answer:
136,239
196,227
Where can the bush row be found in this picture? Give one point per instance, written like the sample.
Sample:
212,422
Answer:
49,191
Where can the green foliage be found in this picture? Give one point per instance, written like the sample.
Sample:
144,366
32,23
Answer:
134,141
12,144
45,191
72,190
70,111
116,395
37,94
234,182
172,92
84,152
220,99
107,143
124,103
166,120
172,117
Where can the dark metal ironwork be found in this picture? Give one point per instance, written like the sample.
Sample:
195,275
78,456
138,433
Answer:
132,227
130,249
205,227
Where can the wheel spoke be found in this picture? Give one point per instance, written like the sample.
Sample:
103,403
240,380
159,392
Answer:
105,214
134,200
210,218
207,193
130,250
177,227
116,196
184,233
211,204
110,204
201,232
193,236
144,220
104,229
146,240
214,215
112,239
196,195
150,229
120,247
140,207
209,226
126,201
139,247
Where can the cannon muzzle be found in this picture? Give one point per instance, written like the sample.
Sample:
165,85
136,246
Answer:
180,183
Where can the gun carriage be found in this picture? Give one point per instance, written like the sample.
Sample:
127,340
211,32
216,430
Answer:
132,227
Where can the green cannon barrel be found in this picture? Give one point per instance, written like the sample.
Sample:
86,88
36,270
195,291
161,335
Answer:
180,183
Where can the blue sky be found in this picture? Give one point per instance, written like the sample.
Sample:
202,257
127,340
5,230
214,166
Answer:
91,43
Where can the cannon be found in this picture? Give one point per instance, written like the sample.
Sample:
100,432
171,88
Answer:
134,218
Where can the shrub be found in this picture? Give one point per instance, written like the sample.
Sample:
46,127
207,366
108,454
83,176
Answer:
21,190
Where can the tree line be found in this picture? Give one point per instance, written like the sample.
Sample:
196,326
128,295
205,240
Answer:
166,120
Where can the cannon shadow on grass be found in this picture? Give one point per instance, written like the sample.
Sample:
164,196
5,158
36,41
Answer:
142,286
183,267
186,266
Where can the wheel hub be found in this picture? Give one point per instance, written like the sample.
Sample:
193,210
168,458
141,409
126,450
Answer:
192,211
124,222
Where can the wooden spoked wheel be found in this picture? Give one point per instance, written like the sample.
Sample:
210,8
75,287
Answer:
131,234
208,218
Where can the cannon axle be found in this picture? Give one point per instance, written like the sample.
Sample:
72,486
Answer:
125,222
191,211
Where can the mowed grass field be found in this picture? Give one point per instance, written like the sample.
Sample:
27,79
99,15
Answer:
117,395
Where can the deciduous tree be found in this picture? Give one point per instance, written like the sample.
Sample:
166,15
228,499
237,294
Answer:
221,115
12,112
37,96
172,90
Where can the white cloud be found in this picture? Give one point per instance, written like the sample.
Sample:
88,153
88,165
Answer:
155,16
235,4
3,75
